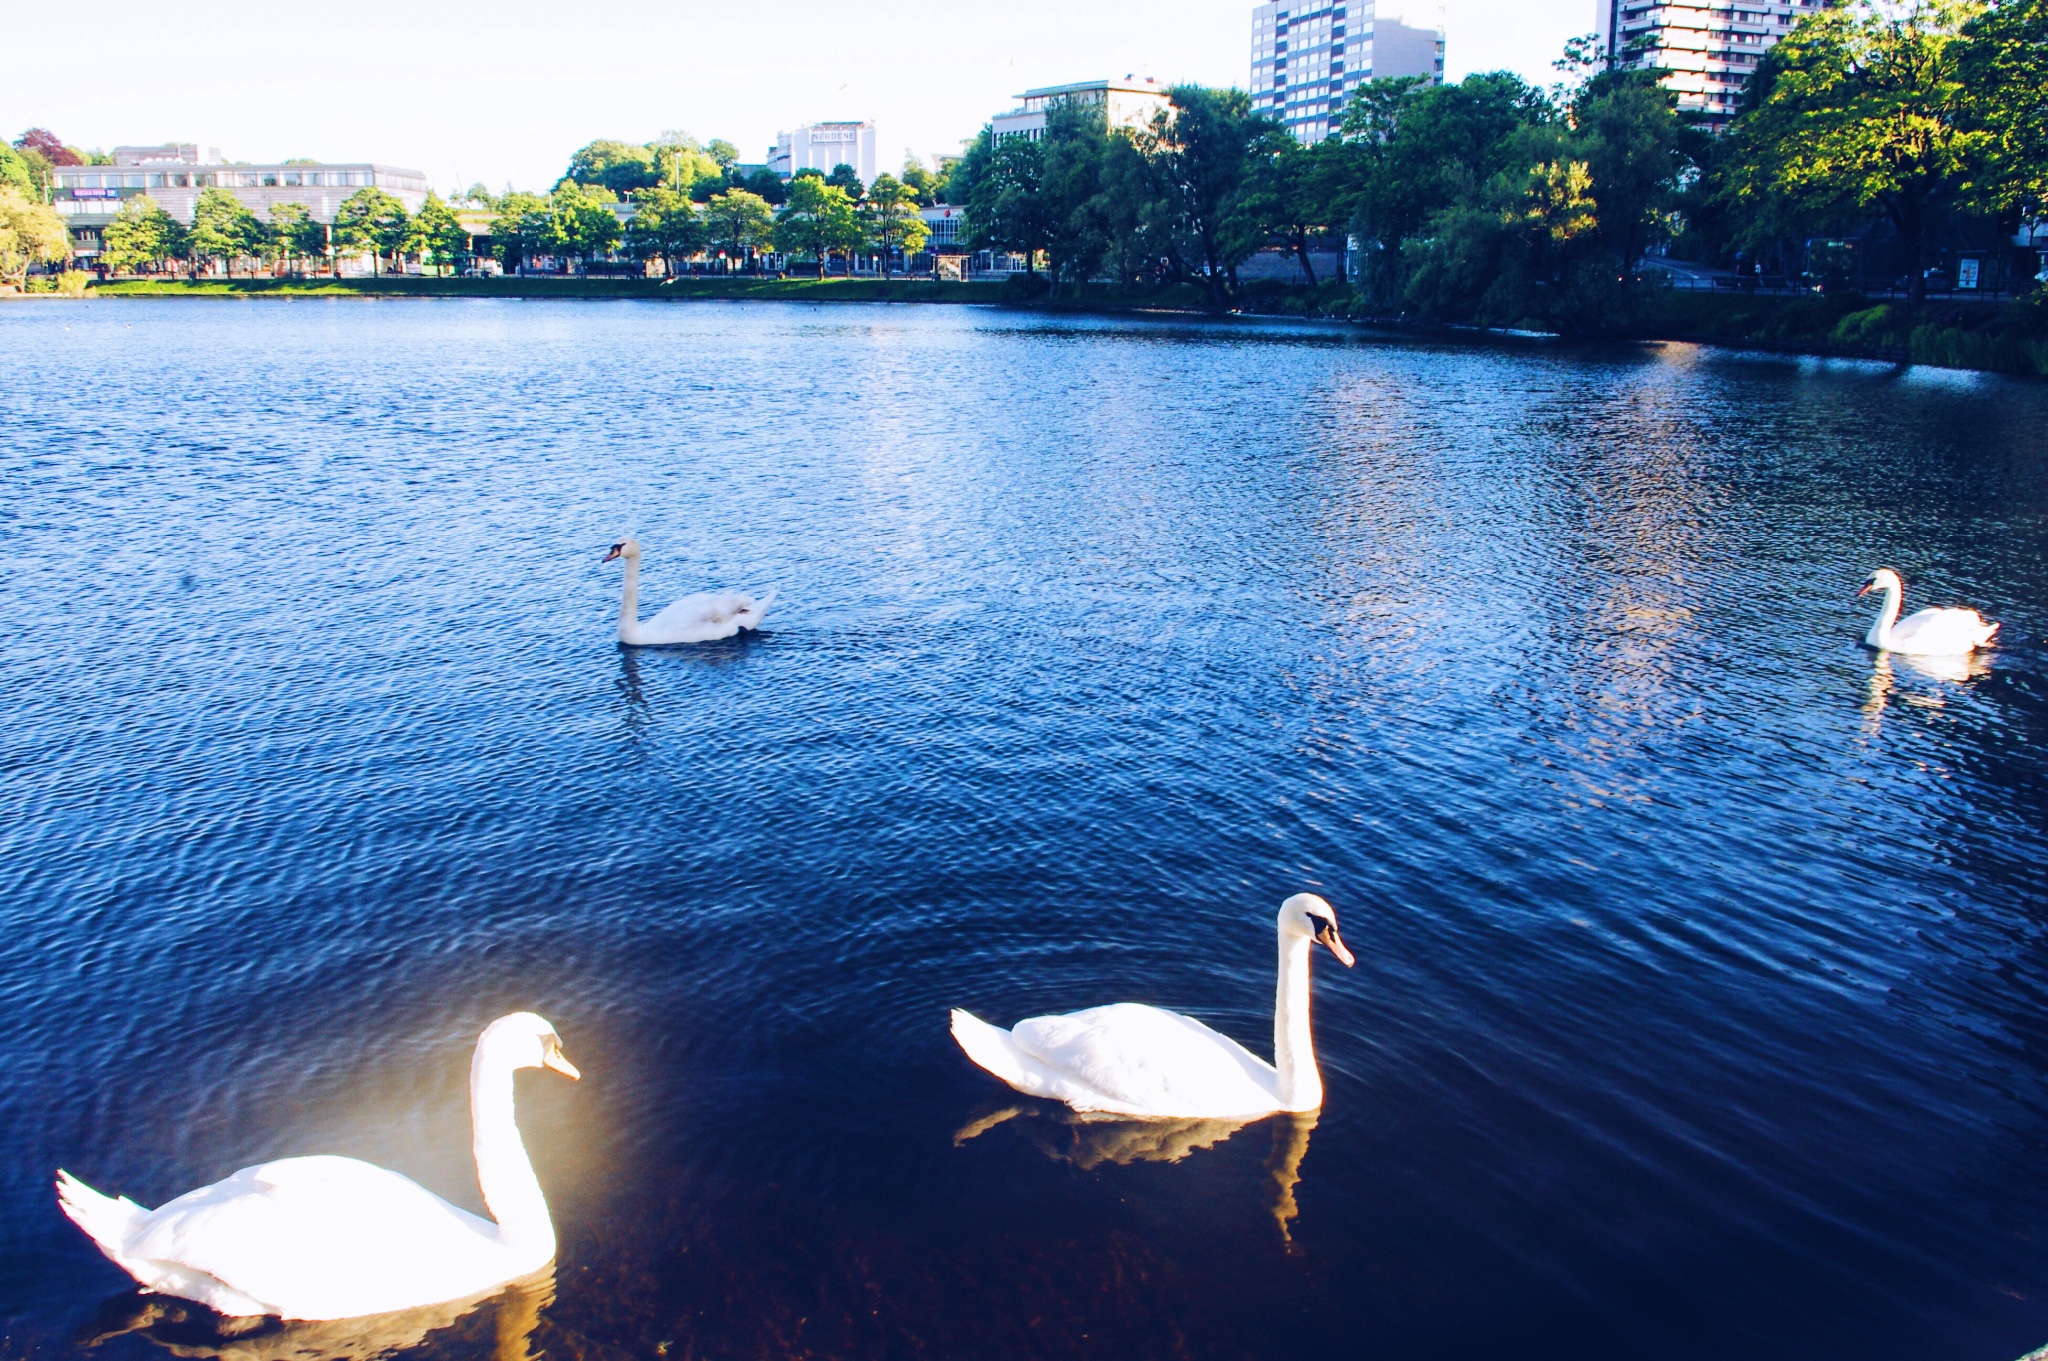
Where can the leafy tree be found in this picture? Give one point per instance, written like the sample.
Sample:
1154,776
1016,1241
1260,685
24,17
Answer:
892,219
683,163
847,178
371,220
297,236
1639,154
224,230
1299,195
738,222
1005,202
619,166
31,233
2005,64
1865,105
521,228
665,225
817,219
766,185
14,172
723,152
143,234
439,237
581,225
42,151
478,194
923,185
1205,151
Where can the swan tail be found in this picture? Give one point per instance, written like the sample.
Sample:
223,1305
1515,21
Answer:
108,1220
1990,629
760,606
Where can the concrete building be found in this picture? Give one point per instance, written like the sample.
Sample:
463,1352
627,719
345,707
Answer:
89,196
1710,47
825,147
1309,55
1127,103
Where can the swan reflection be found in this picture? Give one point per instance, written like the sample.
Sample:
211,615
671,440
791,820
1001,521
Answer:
187,1329
1089,1139
1891,668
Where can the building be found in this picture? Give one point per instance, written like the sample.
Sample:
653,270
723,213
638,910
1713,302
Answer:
825,147
1127,103
1309,55
88,197
1708,48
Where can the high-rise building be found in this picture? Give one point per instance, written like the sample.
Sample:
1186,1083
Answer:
1709,48
825,147
1309,55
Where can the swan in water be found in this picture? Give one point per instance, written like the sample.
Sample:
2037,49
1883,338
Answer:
1132,1059
1928,633
700,618
334,1238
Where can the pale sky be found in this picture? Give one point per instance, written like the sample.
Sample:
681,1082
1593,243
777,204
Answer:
505,92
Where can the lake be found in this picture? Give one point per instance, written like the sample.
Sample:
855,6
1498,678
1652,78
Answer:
1701,1004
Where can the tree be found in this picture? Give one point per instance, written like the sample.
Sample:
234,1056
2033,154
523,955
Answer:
665,225
371,220
142,234
923,185
520,229
847,178
297,235
1638,154
1205,149
31,233
1005,202
619,166
893,222
437,234
224,230
723,152
766,185
738,222
1866,105
1299,195
42,151
817,219
683,163
582,225
2005,63
14,171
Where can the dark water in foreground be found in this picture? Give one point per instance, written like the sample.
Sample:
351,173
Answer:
1702,1000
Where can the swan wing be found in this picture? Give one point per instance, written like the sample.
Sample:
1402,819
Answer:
1941,631
1147,1061
321,1237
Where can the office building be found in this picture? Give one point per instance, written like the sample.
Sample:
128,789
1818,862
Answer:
1126,103
1709,48
88,197
825,147
1309,55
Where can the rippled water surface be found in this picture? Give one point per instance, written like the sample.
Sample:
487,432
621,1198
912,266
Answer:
1699,1008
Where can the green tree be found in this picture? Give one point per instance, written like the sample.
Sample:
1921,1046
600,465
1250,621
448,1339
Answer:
31,233
1299,195
1865,105
766,185
299,238
371,220
224,230
440,238
923,185
1005,201
14,172
1206,150
521,228
619,166
683,163
817,219
847,178
582,225
666,226
892,219
2005,65
738,222
723,152
143,234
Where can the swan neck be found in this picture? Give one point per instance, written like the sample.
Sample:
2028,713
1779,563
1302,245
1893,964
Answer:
629,605
503,1170
1294,1050
1887,615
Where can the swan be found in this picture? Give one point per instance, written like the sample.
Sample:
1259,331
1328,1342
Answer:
700,618
1928,633
1132,1059
333,1238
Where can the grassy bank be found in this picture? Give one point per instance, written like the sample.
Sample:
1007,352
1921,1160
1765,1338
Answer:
800,290
2003,337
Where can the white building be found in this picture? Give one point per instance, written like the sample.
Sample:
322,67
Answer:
1309,55
1709,47
825,147
88,197
1127,103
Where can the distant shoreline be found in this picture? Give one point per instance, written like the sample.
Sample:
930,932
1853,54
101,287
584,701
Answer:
1958,335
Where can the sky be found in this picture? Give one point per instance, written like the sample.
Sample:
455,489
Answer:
504,93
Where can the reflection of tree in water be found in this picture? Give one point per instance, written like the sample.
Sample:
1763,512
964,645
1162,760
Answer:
634,693
502,1326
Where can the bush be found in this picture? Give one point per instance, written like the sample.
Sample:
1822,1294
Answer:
1026,288
72,282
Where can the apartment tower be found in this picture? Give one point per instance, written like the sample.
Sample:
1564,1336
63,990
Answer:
1309,55
1708,48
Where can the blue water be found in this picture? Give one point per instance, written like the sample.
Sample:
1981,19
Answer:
1703,957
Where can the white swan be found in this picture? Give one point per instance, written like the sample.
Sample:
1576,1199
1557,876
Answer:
1928,633
700,618
1133,1059
332,1238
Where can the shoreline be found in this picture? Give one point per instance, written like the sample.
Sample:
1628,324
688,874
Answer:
1964,336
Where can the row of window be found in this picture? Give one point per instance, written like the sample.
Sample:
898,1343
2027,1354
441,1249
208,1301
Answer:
230,179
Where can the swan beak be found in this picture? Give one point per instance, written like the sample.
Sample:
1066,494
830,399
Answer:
1868,587
612,554
561,1065
1326,932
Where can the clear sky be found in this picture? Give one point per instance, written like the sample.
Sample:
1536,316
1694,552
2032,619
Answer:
505,92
